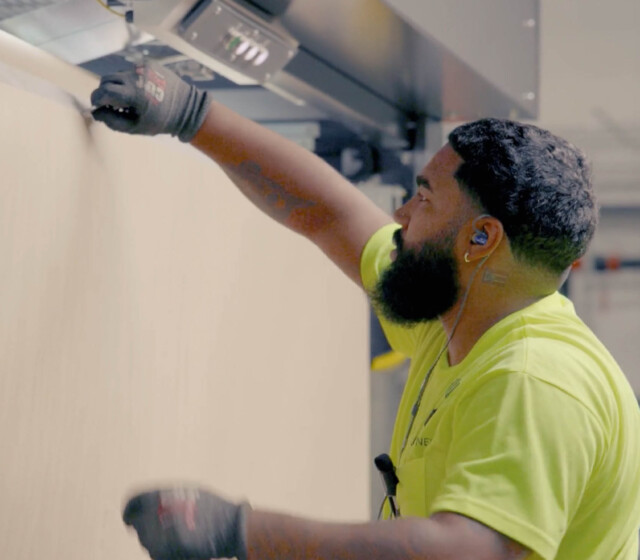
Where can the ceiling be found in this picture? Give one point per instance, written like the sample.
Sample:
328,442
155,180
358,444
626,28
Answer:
589,76
371,59
590,88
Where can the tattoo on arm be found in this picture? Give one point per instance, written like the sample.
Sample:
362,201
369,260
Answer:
482,538
270,196
512,550
508,548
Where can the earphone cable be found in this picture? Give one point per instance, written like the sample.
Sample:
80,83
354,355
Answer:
416,406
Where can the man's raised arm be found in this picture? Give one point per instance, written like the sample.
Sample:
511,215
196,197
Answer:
287,182
292,185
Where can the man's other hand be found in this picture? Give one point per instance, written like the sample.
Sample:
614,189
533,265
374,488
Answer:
187,523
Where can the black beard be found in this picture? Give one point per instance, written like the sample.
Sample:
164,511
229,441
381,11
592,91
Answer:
419,286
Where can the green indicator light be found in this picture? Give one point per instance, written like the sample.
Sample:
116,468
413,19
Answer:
231,45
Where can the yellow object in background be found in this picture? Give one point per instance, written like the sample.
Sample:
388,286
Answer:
388,360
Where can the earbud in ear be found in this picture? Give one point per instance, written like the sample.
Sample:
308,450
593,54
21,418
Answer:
479,238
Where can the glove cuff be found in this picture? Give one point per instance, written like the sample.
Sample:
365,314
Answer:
243,547
194,114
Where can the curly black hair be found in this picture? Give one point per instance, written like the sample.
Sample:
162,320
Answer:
537,184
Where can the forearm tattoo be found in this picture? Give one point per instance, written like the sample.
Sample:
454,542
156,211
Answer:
267,194
506,549
500,546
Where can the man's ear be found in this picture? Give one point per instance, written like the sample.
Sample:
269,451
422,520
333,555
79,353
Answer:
486,233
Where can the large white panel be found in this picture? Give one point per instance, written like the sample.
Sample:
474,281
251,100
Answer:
156,327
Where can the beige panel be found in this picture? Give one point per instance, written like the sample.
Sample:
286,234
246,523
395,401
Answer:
156,327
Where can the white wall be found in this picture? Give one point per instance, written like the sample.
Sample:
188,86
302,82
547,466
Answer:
590,93
156,327
609,301
589,62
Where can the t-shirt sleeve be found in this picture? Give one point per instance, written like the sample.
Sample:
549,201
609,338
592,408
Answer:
521,453
374,260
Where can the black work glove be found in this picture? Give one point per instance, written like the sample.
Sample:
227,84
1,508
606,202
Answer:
188,524
150,100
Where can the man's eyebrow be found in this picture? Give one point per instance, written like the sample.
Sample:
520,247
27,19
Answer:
422,181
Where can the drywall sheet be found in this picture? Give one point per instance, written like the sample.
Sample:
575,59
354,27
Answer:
155,328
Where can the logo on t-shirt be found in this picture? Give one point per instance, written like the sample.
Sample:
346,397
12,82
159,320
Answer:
420,441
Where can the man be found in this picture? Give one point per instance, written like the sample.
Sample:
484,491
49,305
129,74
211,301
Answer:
517,434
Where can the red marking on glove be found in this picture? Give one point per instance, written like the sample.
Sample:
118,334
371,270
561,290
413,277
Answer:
154,84
177,509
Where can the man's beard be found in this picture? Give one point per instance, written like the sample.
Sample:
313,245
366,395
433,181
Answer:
419,285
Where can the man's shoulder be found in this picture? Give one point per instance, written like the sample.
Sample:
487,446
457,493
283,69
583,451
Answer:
376,255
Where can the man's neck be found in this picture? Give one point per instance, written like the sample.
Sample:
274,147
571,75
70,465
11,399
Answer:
486,305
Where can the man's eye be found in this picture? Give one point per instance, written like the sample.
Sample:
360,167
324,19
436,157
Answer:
421,193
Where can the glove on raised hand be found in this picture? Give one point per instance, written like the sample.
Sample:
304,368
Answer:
150,100
188,523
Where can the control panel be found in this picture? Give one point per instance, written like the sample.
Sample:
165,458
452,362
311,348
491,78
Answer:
237,38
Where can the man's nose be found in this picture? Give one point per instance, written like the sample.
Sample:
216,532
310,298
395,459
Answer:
401,215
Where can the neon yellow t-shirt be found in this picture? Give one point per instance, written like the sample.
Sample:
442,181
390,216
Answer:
536,433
